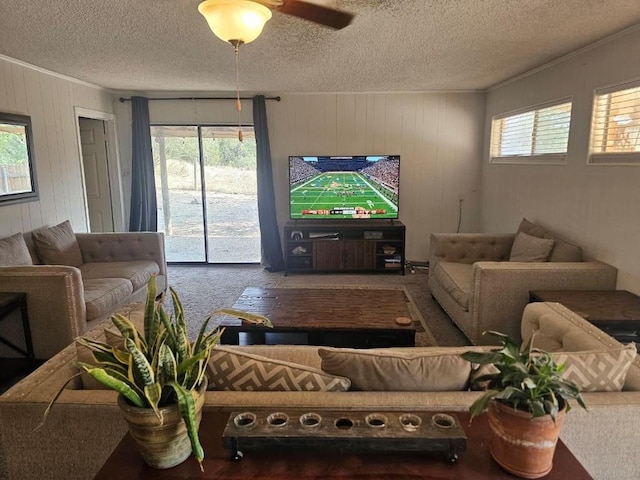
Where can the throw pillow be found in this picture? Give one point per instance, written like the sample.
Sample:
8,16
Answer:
597,370
591,370
241,371
58,245
527,248
378,370
14,251
562,251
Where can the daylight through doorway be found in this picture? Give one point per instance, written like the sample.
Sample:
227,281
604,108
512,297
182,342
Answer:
207,193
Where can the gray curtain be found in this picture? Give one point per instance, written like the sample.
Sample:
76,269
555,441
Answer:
269,231
144,212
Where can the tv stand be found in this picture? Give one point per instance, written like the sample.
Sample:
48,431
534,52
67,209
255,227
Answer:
344,246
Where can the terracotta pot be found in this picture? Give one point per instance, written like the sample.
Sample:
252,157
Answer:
166,444
521,444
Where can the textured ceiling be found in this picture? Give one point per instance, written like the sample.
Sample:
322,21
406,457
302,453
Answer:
403,45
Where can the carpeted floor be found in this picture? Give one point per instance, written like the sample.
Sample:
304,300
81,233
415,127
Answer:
203,289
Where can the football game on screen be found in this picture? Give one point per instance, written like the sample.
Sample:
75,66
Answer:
344,187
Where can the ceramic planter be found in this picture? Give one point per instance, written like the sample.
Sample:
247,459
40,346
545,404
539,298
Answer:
162,445
522,444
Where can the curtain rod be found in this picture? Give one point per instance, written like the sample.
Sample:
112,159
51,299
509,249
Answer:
277,99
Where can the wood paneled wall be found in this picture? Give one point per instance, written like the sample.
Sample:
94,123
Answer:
595,206
49,100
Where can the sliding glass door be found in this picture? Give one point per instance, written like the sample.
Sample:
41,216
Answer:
207,193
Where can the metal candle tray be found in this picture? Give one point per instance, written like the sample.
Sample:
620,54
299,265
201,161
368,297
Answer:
346,431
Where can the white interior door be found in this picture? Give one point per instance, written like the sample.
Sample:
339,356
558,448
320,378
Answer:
96,174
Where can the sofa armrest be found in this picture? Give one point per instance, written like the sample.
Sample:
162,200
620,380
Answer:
500,290
469,247
55,303
123,247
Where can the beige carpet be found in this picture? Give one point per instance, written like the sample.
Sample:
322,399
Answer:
203,289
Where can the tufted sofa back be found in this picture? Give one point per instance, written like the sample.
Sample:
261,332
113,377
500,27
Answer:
469,248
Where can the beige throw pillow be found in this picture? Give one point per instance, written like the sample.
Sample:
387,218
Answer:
562,251
527,248
58,245
376,370
229,369
14,251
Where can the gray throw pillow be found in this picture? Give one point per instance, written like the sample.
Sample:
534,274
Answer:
58,245
527,248
14,251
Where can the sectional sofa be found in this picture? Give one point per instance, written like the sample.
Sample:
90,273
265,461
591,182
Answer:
74,281
85,424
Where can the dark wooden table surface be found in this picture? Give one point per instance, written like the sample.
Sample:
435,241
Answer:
617,312
474,463
327,314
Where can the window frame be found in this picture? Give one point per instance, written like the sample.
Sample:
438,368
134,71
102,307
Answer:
610,158
534,159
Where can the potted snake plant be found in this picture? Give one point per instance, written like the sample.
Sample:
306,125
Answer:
525,399
160,377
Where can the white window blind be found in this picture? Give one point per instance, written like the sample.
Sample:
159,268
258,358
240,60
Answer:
615,129
538,135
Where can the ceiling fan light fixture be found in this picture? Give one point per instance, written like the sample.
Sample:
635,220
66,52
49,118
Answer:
235,21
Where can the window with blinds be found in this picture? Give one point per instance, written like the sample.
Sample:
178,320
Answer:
538,135
615,128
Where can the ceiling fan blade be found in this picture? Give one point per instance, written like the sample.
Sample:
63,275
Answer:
316,13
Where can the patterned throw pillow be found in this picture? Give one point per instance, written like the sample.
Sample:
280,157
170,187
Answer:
239,371
597,370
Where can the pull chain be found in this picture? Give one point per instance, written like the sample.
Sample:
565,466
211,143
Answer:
238,103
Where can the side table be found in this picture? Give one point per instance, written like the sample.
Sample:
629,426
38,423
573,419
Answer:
616,312
9,302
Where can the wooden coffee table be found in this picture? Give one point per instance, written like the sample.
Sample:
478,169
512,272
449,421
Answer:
474,463
616,312
356,317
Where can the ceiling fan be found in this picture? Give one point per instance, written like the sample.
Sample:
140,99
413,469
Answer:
329,17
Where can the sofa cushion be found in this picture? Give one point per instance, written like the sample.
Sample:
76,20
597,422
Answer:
57,245
241,371
527,248
562,251
138,272
384,370
14,251
102,296
455,278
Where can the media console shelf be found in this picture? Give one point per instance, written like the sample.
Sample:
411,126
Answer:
344,246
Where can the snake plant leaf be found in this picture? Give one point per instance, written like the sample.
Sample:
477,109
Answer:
152,393
109,359
140,368
94,345
116,384
167,367
127,328
151,320
249,317
187,408
178,310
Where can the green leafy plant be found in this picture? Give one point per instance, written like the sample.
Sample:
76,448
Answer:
525,379
160,366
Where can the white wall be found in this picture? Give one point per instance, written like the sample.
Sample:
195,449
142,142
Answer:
49,100
595,206
438,136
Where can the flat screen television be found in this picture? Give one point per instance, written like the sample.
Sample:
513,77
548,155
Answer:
347,187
